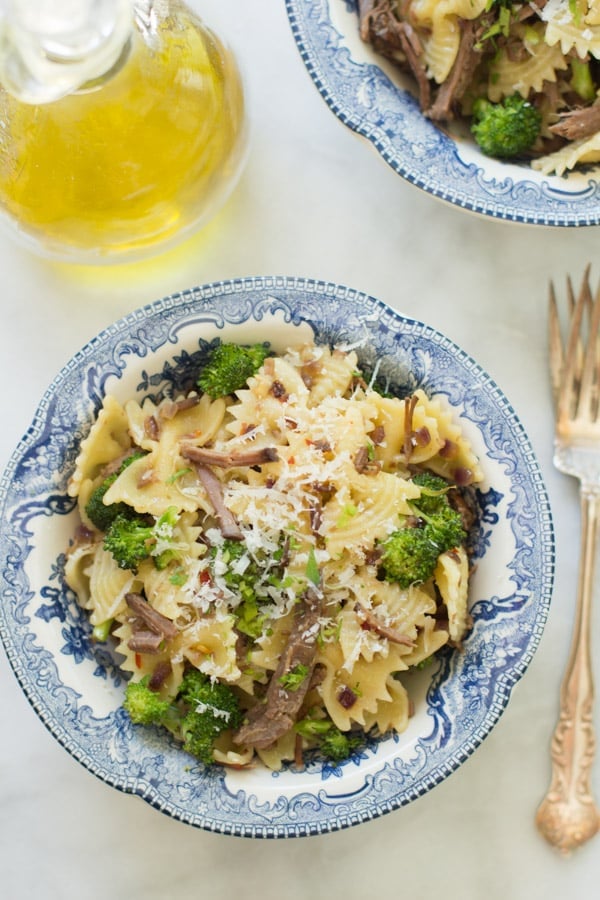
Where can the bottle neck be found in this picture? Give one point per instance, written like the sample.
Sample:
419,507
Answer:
50,48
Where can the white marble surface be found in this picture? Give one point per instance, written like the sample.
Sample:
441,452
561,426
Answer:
314,201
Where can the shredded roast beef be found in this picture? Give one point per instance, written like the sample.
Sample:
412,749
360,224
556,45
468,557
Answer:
394,39
386,26
209,457
151,618
169,408
578,123
269,721
145,641
467,60
464,501
214,489
371,622
160,673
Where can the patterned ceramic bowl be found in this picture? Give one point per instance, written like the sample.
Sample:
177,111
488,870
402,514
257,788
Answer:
374,99
75,685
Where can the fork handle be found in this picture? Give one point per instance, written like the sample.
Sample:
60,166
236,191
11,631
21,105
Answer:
568,817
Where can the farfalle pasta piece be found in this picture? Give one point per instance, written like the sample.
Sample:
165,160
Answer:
282,751
568,157
392,418
430,638
152,484
392,714
527,73
331,375
367,513
108,586
350,696
210,646
78,561
143,665
440,21
168,589
452,578
573,29
456,459
265,401
108,439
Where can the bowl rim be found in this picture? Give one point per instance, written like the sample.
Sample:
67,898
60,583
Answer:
317,806
427,156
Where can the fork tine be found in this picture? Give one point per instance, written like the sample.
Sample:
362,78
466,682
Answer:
588,390
573,354
555,346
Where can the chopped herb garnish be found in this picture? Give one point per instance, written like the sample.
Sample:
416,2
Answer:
177,475
312,569
293,680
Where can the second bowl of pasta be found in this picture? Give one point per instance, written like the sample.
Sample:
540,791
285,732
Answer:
490,106
277,572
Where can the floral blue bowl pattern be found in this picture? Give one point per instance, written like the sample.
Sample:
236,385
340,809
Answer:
75,686
374,99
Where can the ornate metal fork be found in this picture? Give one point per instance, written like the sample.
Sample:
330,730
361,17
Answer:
568,816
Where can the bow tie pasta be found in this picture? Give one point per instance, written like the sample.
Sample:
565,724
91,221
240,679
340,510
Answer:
524,75
271,552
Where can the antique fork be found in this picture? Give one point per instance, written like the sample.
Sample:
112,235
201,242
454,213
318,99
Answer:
568,816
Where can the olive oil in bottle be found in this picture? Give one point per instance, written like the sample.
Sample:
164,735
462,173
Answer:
134,158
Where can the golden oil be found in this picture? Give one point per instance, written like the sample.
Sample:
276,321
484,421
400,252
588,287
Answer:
135,161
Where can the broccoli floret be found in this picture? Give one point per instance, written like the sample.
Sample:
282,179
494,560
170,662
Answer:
143,705
506,129
129,539
132,539
210,708
338,745
228,368
196,716
101,514
332,743
434,490
409,555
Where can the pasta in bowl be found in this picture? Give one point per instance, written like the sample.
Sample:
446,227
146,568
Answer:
490,106
308,470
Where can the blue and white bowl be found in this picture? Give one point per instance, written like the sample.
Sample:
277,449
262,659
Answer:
75,686
374,99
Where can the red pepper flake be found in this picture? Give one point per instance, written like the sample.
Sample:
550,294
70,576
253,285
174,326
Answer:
204,576
138,660
291,460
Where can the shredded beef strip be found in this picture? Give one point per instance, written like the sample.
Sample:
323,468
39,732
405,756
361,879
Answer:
394,39
269,721
208,457
154,620
169,408
413,51
372,623
214,489
160,673
467,60
464,501
145,641
578,123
